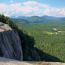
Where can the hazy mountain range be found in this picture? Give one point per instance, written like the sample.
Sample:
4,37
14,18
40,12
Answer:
37,19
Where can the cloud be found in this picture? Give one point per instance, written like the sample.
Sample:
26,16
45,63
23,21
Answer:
30,8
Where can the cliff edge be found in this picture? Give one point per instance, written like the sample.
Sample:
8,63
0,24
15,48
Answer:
10,44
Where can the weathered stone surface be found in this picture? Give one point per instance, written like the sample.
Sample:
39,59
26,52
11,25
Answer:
10,44
4,61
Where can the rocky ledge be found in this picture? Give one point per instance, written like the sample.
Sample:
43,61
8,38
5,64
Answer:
5,61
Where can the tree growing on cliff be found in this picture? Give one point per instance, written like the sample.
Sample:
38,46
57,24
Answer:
8,21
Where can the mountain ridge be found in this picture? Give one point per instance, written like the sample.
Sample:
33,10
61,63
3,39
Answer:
39,19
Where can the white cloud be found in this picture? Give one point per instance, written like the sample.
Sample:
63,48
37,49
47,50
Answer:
30,8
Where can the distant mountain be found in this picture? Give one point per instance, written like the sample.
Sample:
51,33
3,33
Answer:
41,19
19,17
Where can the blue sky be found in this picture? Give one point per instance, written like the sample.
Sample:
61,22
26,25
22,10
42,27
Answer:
55,3
32,7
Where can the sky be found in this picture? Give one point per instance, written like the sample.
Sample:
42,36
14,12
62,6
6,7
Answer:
32,7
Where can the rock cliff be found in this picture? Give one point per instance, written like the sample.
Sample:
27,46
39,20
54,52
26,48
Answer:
10,44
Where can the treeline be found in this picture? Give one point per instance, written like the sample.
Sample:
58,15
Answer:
8,21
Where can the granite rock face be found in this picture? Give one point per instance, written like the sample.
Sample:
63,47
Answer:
10,44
